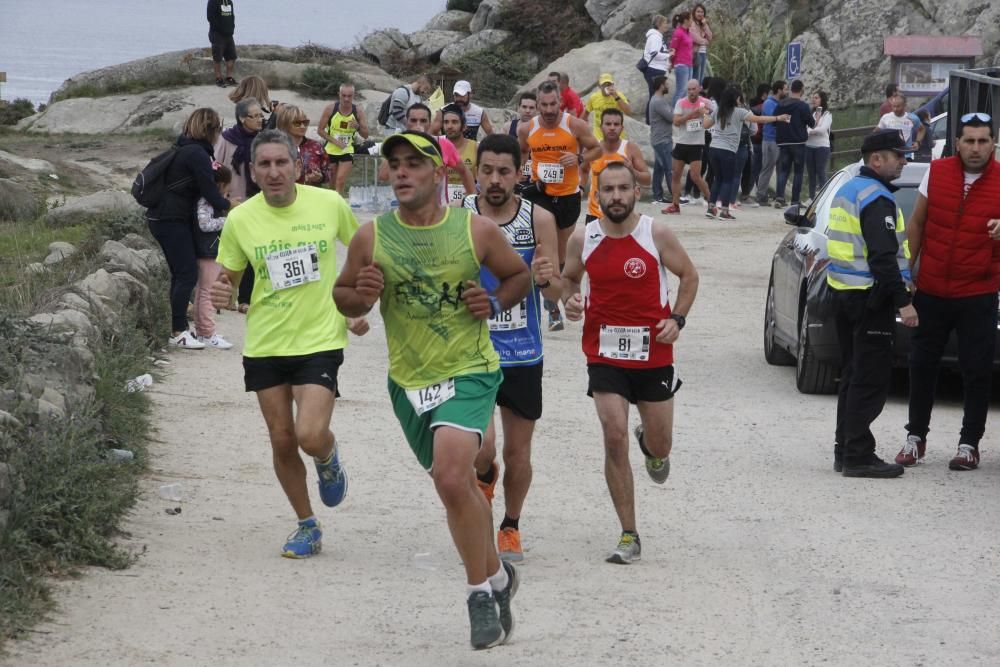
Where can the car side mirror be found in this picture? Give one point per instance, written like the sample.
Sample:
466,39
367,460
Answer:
794,218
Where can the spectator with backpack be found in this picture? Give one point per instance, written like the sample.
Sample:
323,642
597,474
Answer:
206,242
392,113
187,177
341,122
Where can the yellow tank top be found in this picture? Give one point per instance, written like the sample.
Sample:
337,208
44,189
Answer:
547,146
468,155
596,167
339,128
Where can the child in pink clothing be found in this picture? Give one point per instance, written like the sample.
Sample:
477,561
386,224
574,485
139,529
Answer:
206,237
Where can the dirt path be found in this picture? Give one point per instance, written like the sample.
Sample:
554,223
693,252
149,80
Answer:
755,552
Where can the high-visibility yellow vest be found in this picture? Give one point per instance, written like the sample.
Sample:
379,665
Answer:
845,245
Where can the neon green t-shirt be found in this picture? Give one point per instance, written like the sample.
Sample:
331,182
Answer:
301,319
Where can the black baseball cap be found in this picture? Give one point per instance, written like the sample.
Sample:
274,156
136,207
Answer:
886,140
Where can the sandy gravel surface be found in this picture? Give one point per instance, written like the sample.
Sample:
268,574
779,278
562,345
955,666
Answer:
755,552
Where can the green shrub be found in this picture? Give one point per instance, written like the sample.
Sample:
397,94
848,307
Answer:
548,28
748,51
12,112
463,5
498,74
322,82
174,78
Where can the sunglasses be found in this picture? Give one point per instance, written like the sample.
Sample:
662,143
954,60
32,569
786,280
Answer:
976,115
304,122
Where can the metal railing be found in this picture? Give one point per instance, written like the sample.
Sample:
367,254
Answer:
844,135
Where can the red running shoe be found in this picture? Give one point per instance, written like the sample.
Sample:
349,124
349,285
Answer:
912,452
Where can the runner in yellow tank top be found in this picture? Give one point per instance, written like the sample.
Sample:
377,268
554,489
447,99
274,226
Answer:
555,140
615,149
340,124
422,262
453,125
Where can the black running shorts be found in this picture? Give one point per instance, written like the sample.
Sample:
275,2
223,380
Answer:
566,209
635,384
223,46
687,153
317,368
521,391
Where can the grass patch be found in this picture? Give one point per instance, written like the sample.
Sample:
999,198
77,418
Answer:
322,82
532,22
173,78
732,58
68,498
497,72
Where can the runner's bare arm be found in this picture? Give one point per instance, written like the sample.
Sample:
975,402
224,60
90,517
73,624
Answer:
522,138
487,124
468,182
324,123
624,106
639,166
676,259
586,138
435,127
497,255
362,122
383,170
545,265
572,275
360,283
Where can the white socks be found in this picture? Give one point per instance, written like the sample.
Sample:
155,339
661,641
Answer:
498,581
476,588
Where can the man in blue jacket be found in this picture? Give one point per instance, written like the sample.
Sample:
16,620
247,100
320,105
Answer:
769,149
221,26
791,139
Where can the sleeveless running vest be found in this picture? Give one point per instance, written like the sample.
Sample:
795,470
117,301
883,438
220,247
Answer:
468,155
547,146
625,295
473,119
596,167
338,127
430,333
516,333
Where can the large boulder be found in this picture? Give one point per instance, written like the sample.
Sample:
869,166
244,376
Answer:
382,43
101,203
58,251
31,164
600,10
453,19
117,257
474,43
585,64
626,17
16,201
430,43
486,15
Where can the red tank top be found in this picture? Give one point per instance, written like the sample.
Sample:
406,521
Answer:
625,295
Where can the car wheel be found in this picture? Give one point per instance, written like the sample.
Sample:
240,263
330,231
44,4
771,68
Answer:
812,376
774,355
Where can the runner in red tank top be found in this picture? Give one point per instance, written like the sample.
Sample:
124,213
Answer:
628,333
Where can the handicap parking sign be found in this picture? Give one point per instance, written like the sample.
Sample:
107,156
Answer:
793,61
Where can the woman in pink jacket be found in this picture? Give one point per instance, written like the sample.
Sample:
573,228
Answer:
682,44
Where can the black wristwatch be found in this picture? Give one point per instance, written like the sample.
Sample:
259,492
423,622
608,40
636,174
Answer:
544,286
680,319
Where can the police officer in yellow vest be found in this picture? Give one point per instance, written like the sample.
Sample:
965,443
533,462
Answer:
868,273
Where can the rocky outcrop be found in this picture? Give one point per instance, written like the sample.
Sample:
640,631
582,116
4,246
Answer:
79,209
58,251
430,43
618,19
16,201
486,15
381,44
453,19
474,43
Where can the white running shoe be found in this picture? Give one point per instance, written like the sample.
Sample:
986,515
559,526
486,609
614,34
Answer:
216,341
185,340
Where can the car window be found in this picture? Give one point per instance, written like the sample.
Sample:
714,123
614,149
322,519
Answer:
905,198
823,199
939,127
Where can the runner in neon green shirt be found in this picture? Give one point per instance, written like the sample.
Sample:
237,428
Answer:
295,336
422,263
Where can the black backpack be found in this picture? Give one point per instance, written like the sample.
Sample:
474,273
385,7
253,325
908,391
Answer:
150,184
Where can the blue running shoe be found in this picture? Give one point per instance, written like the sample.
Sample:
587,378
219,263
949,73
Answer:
332,479
307,540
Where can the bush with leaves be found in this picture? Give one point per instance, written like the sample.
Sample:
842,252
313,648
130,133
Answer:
323,82
748,51
497,74
463,5
12,112
549,28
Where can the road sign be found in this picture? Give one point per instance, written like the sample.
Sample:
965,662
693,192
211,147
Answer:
793,61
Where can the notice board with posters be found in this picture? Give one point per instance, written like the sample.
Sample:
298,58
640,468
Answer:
921,63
